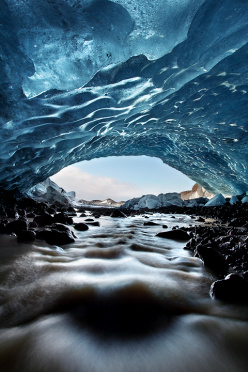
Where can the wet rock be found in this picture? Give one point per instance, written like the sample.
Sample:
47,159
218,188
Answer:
33,224
179,235
12,213
43,220
95,223
16,226
56,237
81,226
26,236
165,226
62,218
89,220
22,212
3,228
62,227
238,222
117,213
234,288
41,234
30,215
212,259
151,223
200,219
71,210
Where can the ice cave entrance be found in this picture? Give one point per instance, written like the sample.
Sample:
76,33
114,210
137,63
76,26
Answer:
121,178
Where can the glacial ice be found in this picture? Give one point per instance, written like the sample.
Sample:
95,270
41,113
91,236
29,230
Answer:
82,79
151,201
49,191
233,200
216,201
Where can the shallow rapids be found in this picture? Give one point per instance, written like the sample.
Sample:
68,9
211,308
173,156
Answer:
120,299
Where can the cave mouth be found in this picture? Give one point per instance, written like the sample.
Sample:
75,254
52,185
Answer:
121,178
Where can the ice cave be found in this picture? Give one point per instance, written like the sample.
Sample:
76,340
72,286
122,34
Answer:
82,79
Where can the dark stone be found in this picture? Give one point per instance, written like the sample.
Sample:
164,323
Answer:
30,215
212,259
95,223
117,213
51,210
26,236
89,220
63,218
16,226
200,219
22,212
71,210
238,222
82,215
234,288
3,228
56,237
62,227
165,226
33,224
179,235
150,223
81,226
12,213
44,219
41,234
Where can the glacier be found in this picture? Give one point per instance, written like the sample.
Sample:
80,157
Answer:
82,79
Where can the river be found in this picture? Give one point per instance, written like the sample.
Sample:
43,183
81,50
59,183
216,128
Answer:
119,299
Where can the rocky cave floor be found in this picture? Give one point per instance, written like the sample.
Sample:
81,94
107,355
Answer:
220,241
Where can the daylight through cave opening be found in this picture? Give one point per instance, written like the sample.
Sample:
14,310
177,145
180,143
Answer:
121,178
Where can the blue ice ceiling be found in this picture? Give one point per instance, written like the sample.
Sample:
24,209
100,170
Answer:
81,79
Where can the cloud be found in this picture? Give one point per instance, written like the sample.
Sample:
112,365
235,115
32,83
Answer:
88,186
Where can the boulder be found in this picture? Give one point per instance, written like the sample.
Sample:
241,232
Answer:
81,226
57,237
26,236
95,223
16,226
234,288
212,259
43,220
117,213
151,223
179,235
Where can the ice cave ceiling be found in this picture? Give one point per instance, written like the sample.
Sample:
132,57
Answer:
81,79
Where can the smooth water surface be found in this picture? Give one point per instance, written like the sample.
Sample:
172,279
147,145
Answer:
119,299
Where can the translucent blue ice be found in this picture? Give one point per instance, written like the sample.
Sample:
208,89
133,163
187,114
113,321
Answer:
81,79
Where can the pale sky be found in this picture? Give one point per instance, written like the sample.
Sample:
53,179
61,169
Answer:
121,178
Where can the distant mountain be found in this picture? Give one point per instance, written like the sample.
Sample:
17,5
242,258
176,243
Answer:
102,203
196,192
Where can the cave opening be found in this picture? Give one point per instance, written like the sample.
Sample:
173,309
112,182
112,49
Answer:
121,178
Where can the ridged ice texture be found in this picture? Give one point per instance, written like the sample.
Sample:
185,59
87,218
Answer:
81,79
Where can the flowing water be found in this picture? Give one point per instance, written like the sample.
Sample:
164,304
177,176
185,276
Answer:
120,299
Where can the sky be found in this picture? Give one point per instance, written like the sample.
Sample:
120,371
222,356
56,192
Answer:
121,178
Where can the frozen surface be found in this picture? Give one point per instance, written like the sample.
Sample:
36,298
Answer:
216,200
49,191
87,79
152,201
